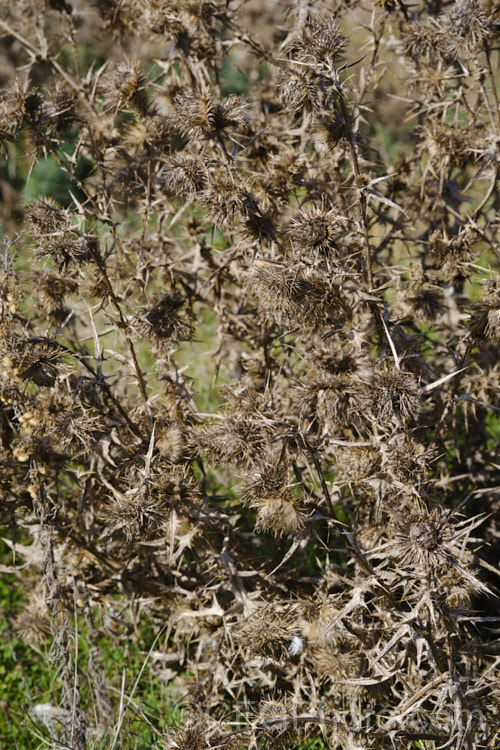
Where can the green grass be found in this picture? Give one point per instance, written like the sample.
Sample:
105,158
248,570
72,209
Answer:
29,675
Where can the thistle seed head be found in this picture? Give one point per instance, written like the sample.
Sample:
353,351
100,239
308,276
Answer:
465,28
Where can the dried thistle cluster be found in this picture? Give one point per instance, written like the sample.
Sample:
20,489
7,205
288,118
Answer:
299,204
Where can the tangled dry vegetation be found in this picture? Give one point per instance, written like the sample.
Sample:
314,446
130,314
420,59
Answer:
297,202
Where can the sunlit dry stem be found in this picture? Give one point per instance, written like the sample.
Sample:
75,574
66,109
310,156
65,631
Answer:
362,195
493,85
123,324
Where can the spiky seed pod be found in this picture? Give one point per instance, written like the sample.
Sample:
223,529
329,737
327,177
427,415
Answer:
199,113
245,400
432,79
139,513
61,110
298,91
32,624
394,396
317,616
277,509
187,738
171,442
33,109
293,297
327,131
257,211
268,633
464,29
177,489
446,144
164,322
183,175
150,133
421,540
279,513
47,217
420,41
314,230
285,172
225,201
51,290
12,106
335,360
484,322
358,464
338,400
336,666
237,438
407,462
41,362
66,246
451,255
427,301
198,14
68,422
319,43
127,87
427,542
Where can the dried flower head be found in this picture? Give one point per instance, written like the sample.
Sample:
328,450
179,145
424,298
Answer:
153,133
164,321
446,145
394,396
138,513
268,633
184,174
61,109
427,301
198,113
407,462
298,90
225,201
358,464
451,255
484,322
292,296
314,230
421,540
277,509
178,490
187,738
317,616
40,360
427,542
126,86
32,624
12,106
47,217
420,41
51,290
335,360
464,29
319,43
285,172
338,400
238,438
327,131
170,441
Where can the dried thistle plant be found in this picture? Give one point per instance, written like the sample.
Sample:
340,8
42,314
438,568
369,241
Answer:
249,337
